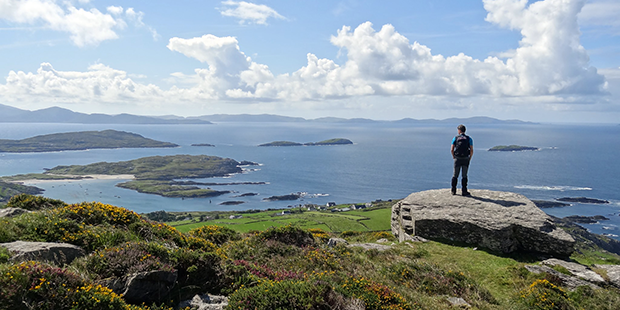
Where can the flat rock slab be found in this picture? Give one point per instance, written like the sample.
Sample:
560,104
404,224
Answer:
569,281
57,253
613,273
500,221
371,246
576,270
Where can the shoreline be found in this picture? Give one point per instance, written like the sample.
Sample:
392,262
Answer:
71,178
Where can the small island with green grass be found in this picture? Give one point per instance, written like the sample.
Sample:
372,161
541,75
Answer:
151,175
512,148
83,140
281,143
336,141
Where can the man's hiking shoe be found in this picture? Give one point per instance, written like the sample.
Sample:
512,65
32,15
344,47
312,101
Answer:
453,187
466,193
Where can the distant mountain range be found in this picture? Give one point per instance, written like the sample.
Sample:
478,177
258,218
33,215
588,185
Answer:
60,115
278,118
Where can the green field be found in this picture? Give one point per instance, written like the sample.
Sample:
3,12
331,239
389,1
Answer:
373,219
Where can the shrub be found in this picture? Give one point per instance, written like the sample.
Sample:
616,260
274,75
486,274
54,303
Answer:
288,234
216,234
321,259
33,203
287,294
151,231
96,213
545,295
375,295
264,272
5,255
349,233
50,226
197,268
383,235
39,286
120,261
319,234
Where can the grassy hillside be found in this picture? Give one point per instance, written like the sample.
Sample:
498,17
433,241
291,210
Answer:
372,219
284,267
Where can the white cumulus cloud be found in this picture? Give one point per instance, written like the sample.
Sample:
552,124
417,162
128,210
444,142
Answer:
100,83
248,12
85,26
549,64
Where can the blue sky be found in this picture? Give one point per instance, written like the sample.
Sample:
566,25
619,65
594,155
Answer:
547,61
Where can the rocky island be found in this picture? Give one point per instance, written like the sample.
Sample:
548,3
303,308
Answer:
336,141
512,148
155,174
82,140
583,200
283,197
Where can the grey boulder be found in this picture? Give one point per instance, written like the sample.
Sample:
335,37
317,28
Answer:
57,253
143,287
205,302
500,221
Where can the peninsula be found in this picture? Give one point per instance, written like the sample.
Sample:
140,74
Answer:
155,174
82,140
512,148
336,141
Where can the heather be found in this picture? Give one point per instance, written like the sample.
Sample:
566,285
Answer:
286,267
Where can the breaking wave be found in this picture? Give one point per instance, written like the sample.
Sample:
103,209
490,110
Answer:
553,188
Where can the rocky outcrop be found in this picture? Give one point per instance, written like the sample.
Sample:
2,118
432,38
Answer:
613,273
336,241
500,221
147,287
205,302
569,282
371,246
11,212
57,253
576,270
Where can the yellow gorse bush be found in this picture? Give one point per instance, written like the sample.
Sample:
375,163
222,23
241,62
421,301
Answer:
97,213
544,295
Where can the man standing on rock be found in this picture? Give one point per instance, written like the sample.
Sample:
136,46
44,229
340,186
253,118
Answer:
462,150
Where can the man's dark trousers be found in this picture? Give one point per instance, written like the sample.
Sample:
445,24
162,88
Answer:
460,163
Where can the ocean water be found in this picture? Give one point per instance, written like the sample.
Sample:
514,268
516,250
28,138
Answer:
386,161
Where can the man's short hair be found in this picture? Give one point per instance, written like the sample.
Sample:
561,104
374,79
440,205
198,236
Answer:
461,128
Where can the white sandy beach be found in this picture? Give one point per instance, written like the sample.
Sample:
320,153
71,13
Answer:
86,177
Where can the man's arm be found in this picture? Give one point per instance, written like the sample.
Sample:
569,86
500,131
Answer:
452,150
471,147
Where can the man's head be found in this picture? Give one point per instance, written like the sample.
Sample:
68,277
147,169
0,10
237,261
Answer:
461,128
